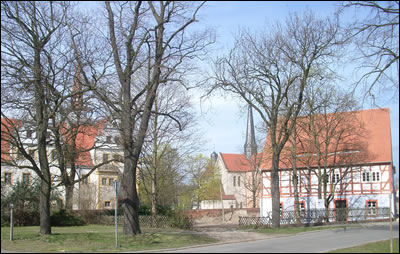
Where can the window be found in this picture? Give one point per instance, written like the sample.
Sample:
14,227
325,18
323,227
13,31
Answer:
238,180
281,209
107,203
48,134
103,181
302,207
108,139
26,178
7,178
105,157
29,133
335,178
371,207
54,155
365,176
234,180
110,181
375,176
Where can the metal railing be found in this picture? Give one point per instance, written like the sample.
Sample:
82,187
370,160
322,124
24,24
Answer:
316,216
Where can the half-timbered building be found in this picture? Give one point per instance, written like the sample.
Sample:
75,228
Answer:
341,160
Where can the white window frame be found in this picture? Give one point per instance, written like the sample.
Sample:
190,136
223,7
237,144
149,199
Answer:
371,207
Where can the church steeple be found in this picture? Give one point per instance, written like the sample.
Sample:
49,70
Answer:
77,99
250,146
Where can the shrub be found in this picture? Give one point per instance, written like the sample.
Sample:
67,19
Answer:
178,219
64,218
25,198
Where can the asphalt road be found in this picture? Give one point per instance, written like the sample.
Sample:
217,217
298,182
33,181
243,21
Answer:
310,242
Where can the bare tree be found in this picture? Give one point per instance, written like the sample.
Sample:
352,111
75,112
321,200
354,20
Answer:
168,142
330,137
268,70
33,63
376,37
150,46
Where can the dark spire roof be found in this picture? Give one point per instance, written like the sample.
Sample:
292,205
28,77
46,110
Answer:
250,146
214,156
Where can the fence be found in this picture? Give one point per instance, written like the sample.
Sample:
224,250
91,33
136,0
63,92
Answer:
319,216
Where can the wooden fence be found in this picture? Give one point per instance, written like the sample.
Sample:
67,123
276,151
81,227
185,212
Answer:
318,216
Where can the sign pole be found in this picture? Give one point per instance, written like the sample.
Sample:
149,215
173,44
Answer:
11,223
390,220
116,213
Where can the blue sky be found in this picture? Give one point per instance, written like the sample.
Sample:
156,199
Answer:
225,125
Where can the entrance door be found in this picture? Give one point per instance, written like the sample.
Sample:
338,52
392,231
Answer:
341,211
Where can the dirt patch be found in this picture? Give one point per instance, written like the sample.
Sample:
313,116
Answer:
228,233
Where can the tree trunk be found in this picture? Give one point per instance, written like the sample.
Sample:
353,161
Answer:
276,217
130,198
69,197
45,186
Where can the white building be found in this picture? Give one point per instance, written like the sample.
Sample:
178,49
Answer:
360,172
98,143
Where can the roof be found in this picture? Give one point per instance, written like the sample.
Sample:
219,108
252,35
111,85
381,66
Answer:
365,139
7,126
238,162
85,140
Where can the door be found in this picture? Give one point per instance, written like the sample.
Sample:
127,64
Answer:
341,210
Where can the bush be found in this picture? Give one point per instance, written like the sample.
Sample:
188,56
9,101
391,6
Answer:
25,198
64,218
178,219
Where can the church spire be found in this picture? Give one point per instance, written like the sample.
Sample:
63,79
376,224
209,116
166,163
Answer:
250,146
77,100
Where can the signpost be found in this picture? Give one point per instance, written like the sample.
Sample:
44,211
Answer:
116,186
11,222
390,220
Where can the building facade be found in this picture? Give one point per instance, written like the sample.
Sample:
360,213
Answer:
98,143
356,165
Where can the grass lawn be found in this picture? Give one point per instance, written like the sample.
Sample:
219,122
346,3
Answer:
376,247
96,238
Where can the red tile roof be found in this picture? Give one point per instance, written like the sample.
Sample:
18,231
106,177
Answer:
367,140
237,162
7,126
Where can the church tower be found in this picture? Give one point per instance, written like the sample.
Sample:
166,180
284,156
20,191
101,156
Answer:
250,146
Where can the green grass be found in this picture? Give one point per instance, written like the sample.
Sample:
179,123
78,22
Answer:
376,247
296,230
96,238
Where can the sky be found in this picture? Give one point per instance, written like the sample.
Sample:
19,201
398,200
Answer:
223,123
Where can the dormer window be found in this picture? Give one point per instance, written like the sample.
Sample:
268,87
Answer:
108,139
